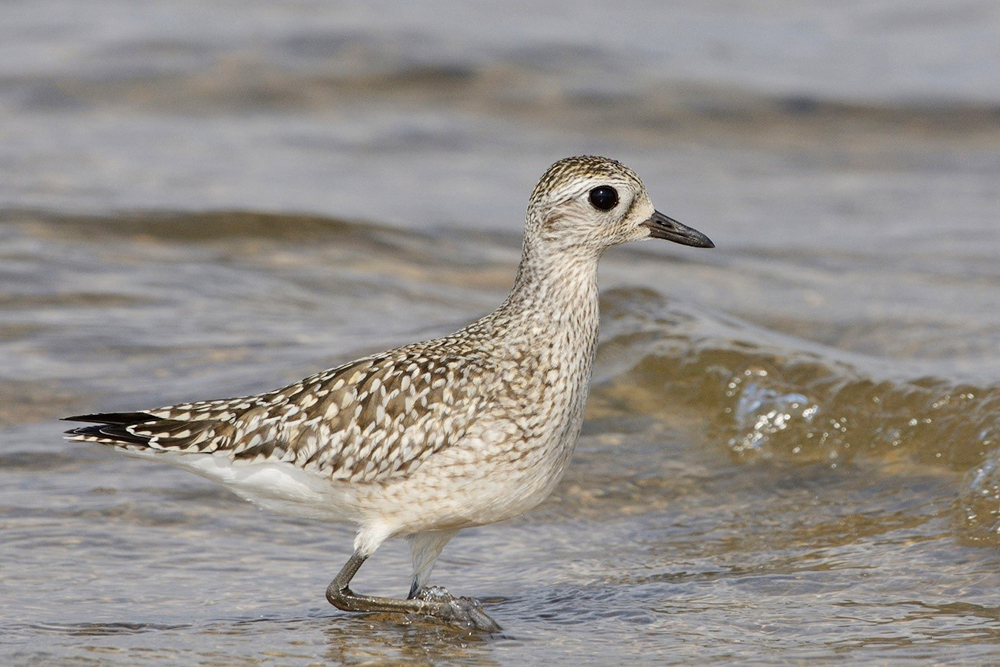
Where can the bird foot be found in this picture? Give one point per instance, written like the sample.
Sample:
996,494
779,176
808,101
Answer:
465,612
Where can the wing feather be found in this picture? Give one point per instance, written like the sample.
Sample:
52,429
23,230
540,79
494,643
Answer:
366,421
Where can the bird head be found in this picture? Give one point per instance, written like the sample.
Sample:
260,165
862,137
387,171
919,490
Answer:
587,204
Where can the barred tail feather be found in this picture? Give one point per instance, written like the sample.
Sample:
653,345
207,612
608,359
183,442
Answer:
146,431
110,428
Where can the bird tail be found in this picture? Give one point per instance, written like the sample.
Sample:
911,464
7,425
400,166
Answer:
147,431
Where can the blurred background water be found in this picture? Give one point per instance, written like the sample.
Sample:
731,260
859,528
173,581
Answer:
792,451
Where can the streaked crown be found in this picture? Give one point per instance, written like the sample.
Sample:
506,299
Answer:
567,175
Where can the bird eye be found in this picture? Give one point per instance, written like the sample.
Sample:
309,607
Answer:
604,198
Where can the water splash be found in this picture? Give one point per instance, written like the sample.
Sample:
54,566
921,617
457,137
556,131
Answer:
763,410
980,501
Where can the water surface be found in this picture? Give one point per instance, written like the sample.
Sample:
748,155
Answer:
792,448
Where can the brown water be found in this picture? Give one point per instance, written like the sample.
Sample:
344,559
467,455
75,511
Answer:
792,451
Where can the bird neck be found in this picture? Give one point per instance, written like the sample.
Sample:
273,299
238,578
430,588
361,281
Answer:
554,291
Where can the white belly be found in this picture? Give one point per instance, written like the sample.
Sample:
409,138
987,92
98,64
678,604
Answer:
276,486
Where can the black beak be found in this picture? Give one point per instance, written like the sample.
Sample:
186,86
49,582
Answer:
662,227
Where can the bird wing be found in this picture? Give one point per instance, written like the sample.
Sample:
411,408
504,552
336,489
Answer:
366,421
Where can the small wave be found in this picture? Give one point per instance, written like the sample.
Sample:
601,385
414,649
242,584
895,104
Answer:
99,629
532,90
191,227
766,396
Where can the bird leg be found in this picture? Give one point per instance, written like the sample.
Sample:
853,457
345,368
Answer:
430,601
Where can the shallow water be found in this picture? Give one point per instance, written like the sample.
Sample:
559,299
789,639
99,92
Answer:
792,450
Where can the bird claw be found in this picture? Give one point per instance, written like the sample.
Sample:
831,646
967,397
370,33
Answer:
465,612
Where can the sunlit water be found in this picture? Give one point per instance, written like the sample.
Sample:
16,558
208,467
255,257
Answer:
792,450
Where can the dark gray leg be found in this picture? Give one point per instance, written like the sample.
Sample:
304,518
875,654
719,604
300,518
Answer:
432,601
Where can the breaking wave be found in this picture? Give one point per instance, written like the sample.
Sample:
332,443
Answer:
765,396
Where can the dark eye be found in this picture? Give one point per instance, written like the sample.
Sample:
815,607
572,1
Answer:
604,198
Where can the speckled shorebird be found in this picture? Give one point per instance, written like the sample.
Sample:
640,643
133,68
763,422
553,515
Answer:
424,440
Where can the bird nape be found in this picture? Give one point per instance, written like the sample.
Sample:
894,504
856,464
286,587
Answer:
426,439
